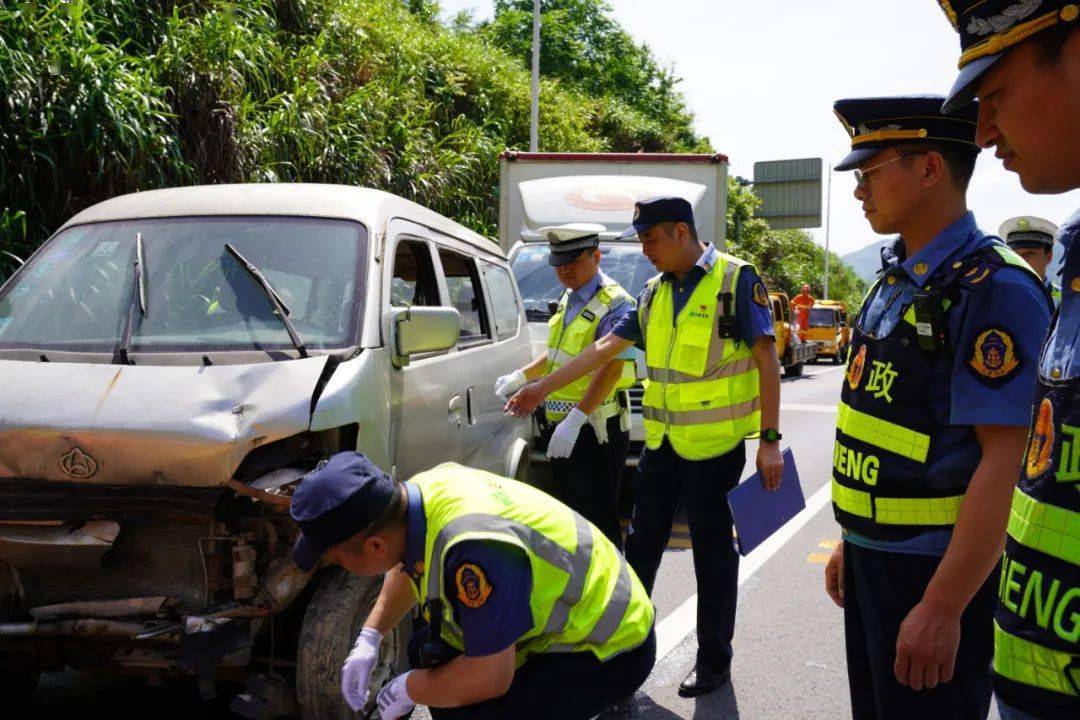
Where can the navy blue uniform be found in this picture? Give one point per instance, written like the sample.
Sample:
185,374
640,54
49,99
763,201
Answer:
662,476
985,375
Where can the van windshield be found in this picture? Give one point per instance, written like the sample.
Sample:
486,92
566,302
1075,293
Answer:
822,317
539,285
76,294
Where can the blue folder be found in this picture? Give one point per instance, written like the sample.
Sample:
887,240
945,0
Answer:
758,513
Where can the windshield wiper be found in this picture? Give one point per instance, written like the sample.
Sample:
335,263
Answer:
273,297
138,297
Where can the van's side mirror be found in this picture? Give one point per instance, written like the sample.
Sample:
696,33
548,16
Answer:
425,330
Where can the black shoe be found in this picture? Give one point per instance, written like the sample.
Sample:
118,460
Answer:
702,681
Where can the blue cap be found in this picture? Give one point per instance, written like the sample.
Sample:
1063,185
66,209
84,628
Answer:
989,28
336,501
654,211
878,123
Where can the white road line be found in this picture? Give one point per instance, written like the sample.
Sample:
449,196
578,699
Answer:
802,407
673,629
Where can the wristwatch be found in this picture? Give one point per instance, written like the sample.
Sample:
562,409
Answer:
770,435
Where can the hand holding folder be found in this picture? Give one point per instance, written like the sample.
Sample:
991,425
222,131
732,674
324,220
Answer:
758,513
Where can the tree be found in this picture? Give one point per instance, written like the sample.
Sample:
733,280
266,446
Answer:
582,45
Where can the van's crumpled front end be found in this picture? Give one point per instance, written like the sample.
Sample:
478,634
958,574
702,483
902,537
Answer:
144,509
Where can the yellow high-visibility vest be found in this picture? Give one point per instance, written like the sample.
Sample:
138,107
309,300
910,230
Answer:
585,596
702,389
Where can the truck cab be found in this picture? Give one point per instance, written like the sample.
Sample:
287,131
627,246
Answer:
829,329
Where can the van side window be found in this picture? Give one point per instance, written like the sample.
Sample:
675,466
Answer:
414,281
503,300
463,284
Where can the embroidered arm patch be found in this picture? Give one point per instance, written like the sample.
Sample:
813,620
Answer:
761,296
473,588
993,358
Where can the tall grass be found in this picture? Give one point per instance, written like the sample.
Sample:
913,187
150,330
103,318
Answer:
103,97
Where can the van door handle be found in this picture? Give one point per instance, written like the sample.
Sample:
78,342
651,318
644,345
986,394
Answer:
454,410
470,406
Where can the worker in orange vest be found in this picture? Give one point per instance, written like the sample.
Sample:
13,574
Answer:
803,302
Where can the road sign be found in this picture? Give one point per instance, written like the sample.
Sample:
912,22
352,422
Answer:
790,192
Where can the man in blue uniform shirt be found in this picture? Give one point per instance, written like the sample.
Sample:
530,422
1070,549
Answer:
705,323
496,640
1022,61
931,421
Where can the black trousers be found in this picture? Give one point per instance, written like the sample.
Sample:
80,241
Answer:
563,686
662,475
880,589
590,479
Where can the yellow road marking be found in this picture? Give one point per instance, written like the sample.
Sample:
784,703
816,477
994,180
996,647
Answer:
679,542
819,558
678,527
830,544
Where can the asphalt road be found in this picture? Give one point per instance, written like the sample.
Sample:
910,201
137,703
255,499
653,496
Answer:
789,649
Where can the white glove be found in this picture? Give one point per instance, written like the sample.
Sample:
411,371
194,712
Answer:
356,672
566,434
507,385
394,700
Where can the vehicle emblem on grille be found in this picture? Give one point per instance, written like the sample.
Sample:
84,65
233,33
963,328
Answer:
78,464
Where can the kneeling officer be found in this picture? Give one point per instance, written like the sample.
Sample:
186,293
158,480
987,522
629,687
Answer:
533,612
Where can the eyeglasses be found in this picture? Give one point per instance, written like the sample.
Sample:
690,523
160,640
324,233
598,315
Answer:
863,176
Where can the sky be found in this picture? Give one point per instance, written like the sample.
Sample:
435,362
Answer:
761,77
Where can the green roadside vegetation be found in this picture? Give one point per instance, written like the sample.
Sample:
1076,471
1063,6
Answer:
104,97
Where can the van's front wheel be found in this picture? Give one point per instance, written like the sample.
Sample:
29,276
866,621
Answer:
332,620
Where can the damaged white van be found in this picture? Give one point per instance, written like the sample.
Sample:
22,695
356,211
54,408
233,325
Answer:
171,363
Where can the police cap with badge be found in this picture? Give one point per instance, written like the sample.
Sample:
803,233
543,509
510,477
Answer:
988,28
339,499
657,210
878,123
1024,232
567,242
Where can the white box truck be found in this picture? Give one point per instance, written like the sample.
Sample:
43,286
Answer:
541,189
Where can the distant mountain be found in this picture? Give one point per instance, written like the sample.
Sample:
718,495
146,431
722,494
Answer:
867,262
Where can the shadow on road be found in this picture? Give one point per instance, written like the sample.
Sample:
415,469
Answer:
718,706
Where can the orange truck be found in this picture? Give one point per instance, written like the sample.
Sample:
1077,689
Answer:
829,329
792,351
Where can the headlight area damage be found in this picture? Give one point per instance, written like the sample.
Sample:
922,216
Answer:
144,517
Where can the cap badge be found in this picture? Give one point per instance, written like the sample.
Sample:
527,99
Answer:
1023,224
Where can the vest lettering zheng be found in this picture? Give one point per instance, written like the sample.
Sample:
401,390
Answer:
855,465
1031,595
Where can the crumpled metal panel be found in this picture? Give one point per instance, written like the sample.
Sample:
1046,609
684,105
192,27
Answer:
361,391
130,424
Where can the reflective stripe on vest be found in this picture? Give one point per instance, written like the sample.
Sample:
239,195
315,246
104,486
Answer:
897,511
584,596
1031,664
882,434
1047,528
701,390
566,341
701,417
